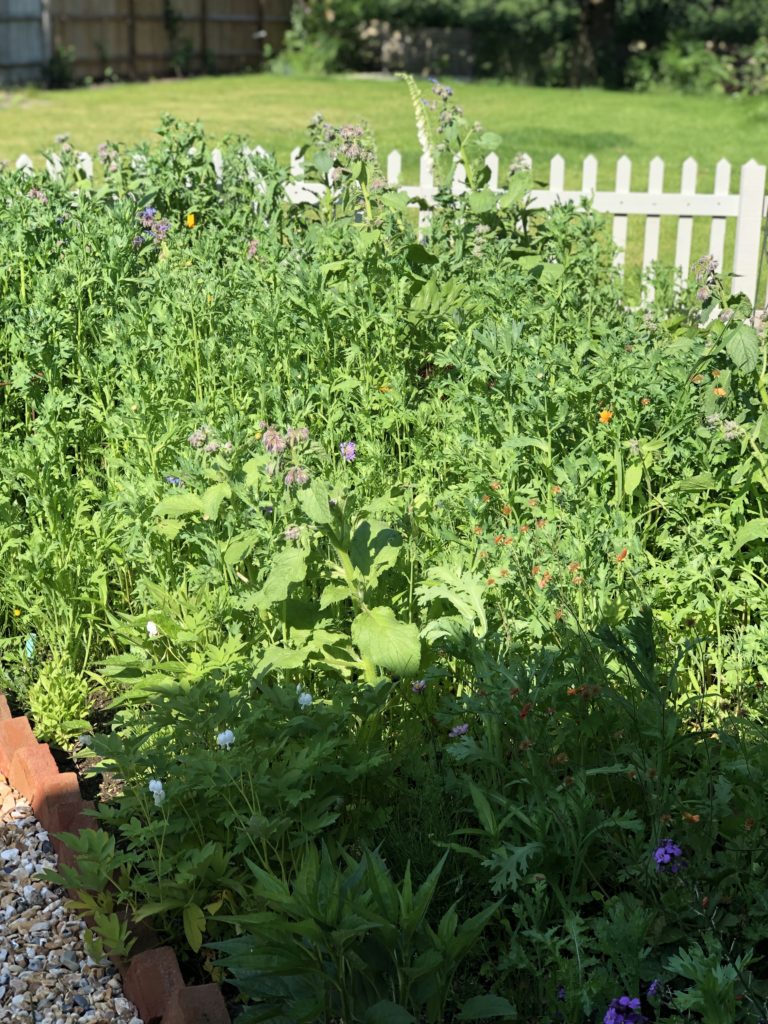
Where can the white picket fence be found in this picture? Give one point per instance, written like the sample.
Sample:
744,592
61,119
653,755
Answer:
748,207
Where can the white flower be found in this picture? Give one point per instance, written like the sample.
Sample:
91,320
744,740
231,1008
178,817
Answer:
152,630
157,791
305,699
225,739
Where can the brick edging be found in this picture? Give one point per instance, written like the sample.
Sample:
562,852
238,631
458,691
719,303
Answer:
152,979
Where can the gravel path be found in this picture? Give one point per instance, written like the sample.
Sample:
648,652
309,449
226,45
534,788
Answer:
46,977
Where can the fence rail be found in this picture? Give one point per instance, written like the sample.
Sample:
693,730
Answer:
748,207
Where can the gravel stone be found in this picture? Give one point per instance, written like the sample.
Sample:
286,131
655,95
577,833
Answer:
46,976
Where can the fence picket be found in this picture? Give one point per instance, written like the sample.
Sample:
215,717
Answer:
394,167
685,224
297,162
589,175
623,182
717,230
746,252
426,190
557,174
492,163
653,221
459,180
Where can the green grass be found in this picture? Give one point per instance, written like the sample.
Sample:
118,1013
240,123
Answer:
273,111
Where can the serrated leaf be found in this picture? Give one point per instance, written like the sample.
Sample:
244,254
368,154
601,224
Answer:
387,642
696,484
486,1007
482,202
743,346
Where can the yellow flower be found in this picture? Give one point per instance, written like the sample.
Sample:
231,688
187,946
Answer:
190,220
606,416
385,389
16,612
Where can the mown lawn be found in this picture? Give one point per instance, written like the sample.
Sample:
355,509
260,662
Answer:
274,110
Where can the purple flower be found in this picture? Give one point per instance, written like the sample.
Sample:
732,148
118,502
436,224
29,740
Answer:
459,730
253,248
348,451
38,194
419,686
296,476
294,437
174,481
267,511
653,988
138,241
160,229
197,438
561,993
212,447
665,857
624,1011
273,442
147,216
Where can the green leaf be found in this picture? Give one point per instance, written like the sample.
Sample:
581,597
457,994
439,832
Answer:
387,642
696,484
482,202
755,529
288,567
334,593
632,476
743,346
178,505
275,657
387,1013
417,254
194,925
489,140
485,1007
212,499
316,503
396,201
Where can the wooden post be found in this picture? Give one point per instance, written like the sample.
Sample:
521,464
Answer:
46,29
204,34
132,38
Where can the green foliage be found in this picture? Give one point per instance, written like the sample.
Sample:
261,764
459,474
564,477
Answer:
417,584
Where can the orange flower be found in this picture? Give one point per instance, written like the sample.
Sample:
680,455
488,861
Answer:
491,582
525,710
573,566
694,819
503,573
749,824
715,373
720,392
697,378
540,524
533,502
645,401
577,580
486,497
506,510
499,538
606,416
482,554
495,485
545,580
524,529
621,555
190,221
535,570
559,614
509,540
556,488
477,530
385,389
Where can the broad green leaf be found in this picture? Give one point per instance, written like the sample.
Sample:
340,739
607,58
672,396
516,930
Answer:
275,657
315,501
387,1013
755,529
743,346
632,476
288,567
485,1007
212,499
695,484
482,202
178,505
489,140
386,642
417,254
169,528
334,593
194,925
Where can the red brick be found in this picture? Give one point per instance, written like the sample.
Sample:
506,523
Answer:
79,822
5,711
58,802
150,982
15,733
198,1004
32,768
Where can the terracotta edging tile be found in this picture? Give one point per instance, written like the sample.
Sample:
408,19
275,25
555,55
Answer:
152,980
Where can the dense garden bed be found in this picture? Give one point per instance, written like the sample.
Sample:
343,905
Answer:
409,589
